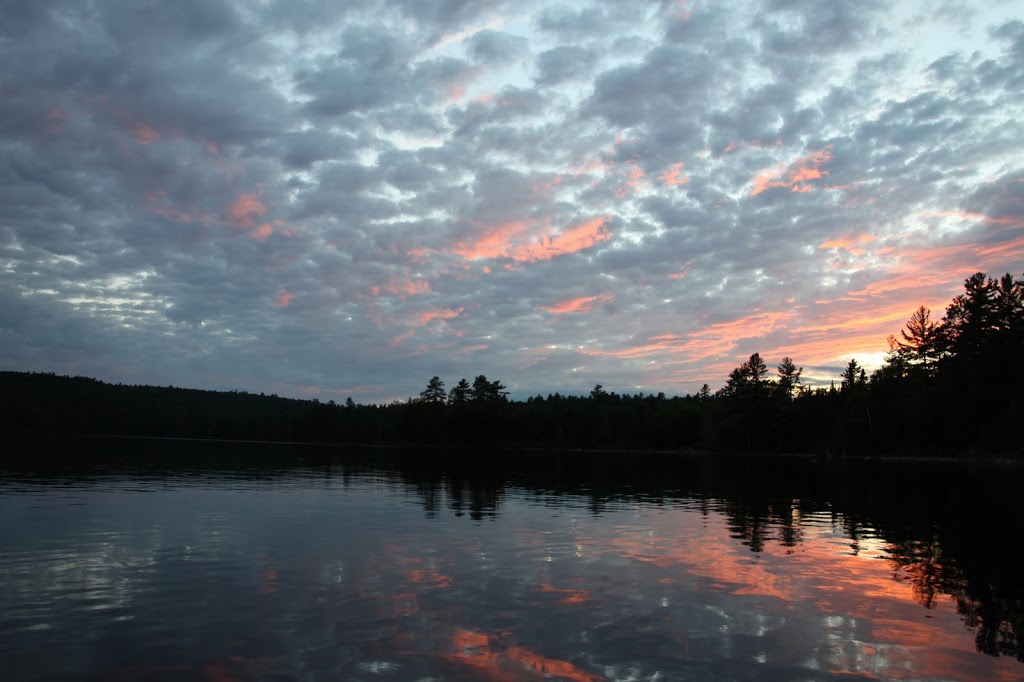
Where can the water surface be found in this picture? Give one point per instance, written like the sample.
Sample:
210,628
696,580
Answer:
282,564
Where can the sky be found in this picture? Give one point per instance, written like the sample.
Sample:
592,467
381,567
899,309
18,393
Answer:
343,199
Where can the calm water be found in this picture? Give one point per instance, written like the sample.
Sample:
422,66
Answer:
275,564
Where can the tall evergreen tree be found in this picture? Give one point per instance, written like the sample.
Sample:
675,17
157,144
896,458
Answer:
789,377
757,368
460,392
434,393
853,375
921,346
736,384
486,390
970,318
749,379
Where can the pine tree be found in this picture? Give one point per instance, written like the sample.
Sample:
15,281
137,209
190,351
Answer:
853,375
459,393
920,346
434,393
789,376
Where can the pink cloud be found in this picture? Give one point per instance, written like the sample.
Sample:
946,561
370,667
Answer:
493,243
683,272
143,134
674,177
262,232
575,239
853,244
634,180
750,326
246,207
429,316
403,284
515,241
583,304
283,299
401,338
1009,250
715,339
795,174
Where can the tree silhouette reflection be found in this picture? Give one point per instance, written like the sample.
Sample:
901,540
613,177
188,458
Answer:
934,527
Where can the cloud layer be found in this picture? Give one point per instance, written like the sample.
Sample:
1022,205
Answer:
318,200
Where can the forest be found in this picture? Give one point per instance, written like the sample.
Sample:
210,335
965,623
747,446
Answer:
949,386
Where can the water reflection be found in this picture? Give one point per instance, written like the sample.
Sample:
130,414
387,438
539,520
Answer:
481,567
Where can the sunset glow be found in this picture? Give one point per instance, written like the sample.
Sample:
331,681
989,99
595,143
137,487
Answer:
429,316
478,650
638,196
576,305
796,175
283,299
674,177
245,209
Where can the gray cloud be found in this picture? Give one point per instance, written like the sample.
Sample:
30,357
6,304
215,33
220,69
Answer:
496,47
318,200
563,63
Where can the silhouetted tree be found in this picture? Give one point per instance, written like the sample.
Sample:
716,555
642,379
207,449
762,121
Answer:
460,392
748,379
789,377
485,390
970,318
704,394
739,379
921,344
434,393
854,375
758,370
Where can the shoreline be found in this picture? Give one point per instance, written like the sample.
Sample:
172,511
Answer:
533,451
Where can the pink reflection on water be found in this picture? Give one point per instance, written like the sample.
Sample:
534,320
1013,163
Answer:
487,654
849,588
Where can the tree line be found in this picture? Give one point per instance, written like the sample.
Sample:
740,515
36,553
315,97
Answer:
949,386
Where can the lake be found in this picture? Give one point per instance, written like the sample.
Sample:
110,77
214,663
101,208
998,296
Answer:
160,560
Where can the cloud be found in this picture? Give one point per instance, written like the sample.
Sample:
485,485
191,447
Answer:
795,175
712,179
582,304
496,47
563,63
245,209
674,177
522,242
283,299
571,240
493,243
429,316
